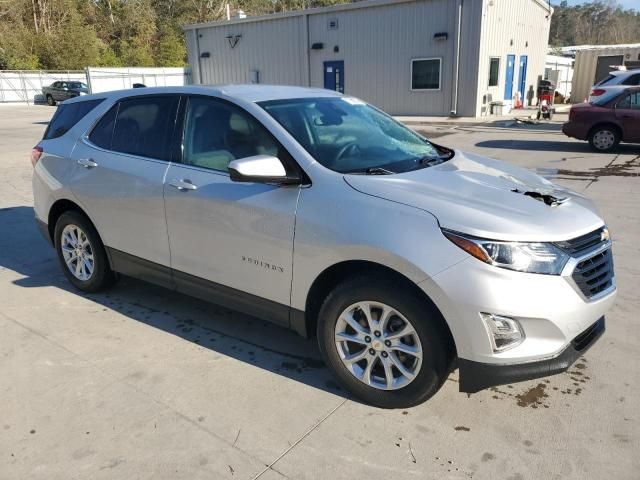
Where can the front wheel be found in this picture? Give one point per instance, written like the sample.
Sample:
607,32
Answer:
604,139
385,344
50,101
81,253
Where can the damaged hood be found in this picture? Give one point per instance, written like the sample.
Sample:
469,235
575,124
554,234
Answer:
487,198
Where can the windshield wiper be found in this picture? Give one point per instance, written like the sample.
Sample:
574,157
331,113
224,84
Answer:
432,160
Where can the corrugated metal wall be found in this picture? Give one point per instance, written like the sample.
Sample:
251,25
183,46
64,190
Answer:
585,68
469,51
517,27
377,41
275,48
377,45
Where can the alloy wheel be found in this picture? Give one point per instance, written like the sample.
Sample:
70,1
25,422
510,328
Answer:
378,345
77,252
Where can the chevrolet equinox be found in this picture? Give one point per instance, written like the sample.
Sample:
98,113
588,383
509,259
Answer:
321,213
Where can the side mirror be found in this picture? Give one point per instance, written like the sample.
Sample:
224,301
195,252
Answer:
261,169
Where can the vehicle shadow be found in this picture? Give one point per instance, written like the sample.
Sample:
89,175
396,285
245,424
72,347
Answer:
550,146
527,125
216,328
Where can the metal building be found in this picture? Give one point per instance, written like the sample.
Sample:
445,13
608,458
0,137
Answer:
559,70
409,57
594,62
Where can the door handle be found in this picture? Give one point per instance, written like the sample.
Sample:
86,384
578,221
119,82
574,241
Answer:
87,163
183,185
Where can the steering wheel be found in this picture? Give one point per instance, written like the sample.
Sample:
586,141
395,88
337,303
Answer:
352,148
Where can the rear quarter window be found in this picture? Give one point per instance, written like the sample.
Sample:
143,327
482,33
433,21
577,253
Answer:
606,80
102,133
67,115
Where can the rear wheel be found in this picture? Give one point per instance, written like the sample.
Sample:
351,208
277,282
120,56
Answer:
50,100
81,253
604,139
383,343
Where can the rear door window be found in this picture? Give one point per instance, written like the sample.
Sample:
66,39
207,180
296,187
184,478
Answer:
632,80
144,126
630,102
67,115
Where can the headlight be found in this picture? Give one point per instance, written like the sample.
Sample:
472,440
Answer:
532,257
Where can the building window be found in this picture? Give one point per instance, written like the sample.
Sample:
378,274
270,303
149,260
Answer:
494,71
425,73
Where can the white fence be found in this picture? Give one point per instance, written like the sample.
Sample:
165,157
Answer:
106,79
25,86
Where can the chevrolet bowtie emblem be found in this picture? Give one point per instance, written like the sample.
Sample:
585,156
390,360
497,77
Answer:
604,235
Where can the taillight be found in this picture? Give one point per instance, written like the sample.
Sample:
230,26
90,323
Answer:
36,152
596,92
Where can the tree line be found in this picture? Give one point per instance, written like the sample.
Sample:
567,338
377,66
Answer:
73,34
594,23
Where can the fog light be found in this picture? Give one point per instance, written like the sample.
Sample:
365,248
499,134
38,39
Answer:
505,332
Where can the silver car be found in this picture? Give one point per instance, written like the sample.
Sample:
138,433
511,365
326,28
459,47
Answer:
321,213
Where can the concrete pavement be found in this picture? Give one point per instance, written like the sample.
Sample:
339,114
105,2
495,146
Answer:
139,383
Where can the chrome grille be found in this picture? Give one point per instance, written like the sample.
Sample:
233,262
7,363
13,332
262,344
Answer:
594,274
584,242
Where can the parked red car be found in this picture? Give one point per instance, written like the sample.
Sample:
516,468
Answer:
607,122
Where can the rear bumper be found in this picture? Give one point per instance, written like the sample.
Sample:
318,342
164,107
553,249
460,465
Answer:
476,376
574,131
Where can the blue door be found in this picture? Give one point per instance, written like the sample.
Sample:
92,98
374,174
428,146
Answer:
508,84
522,79
334,76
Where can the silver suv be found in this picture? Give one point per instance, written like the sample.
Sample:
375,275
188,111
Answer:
321,213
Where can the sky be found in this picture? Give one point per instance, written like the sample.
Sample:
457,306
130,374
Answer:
625,3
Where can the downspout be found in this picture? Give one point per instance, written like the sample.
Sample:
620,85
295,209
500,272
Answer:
307,51
456,63
197,81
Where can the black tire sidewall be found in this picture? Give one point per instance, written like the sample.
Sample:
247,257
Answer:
102,275
50,100
603,129
422,315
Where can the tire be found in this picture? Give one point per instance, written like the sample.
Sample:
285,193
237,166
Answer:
604,139
432,341
93,275
50,101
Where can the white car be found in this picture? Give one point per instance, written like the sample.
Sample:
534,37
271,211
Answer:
321,213
613,84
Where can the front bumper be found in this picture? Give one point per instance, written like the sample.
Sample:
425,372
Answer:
476,376
43,228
